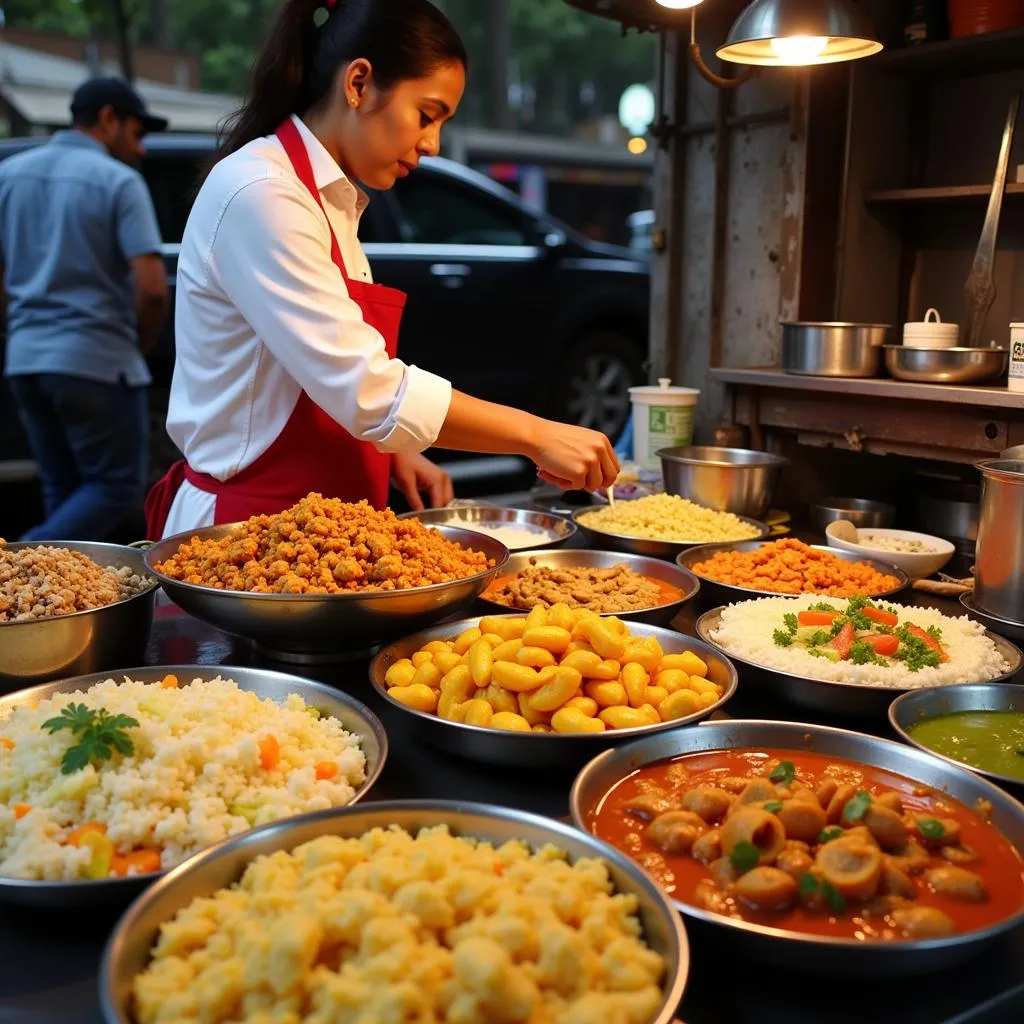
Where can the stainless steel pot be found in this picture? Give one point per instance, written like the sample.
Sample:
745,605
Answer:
737,480
833,349
999,559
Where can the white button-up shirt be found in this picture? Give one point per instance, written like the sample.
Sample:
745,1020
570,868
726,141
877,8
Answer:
262,314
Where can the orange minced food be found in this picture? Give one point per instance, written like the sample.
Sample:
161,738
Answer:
789,566
324,546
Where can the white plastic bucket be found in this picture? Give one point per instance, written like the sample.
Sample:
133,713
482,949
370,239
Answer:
662,418
1016,382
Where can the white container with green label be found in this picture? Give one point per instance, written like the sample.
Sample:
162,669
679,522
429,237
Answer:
662,418
1016,382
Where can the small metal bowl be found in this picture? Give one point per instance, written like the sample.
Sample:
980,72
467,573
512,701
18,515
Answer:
315,628
736,480
100,639
909,709
825,695
128,952
660,615
667,549
946,365
543,749
714,593
552,531
859,511
354,716
831,956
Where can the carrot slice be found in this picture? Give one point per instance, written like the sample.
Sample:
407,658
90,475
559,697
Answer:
169,682
144,861
326,769
884,644
882,618
843,640
929,640
817,618
5,742
20,810
75,838
270,752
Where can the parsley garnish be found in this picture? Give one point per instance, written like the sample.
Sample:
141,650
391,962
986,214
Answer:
826,835
935,633
862,653
791,621
773,806
812,886
745,856
782,638
98,732
822,606
858,806
783,773
914,652
931,828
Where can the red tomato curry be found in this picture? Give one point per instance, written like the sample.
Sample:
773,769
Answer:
813,844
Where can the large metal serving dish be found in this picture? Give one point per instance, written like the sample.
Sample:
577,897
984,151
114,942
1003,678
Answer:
833,349
551,530
311,628
38,650
715,593
538,749
908,709
999,561
737,480
354,716
1004,627
824,695
660,615
946,365
643,545
791,950
128,951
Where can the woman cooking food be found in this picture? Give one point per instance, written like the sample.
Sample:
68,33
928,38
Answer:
286,378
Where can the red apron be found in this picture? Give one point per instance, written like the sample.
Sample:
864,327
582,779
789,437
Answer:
312,452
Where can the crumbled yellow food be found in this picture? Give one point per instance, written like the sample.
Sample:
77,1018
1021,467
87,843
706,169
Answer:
669,517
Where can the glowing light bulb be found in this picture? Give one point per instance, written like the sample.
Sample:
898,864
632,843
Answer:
679,5
799,49
637,145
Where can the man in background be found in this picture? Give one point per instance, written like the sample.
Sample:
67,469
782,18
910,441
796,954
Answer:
86,297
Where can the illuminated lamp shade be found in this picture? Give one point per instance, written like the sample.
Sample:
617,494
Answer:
679,5
786,33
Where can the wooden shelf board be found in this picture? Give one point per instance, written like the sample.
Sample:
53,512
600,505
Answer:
939,194
953,58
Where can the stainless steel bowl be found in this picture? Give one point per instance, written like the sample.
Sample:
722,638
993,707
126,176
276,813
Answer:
859,511
736,480
833,956
833,349
354,716
128,952
660,615
714,593
643,545
824,695
543,749
311,628
38,650
552,530
946,365
1004,627
909,709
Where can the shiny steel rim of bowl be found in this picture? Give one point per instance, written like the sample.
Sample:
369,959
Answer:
751,458
560,529
666,544
688,559
303,687
463,537
1011,652
686,581
450,630
533,829
132,553
858,506
905,705
805,737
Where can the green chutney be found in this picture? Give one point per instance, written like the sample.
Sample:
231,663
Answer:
992,741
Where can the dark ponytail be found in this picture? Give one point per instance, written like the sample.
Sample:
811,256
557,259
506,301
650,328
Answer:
298,63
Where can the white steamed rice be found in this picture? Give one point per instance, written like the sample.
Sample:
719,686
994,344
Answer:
745,630
196,761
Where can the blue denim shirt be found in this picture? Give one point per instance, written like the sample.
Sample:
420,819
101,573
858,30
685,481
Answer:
71,219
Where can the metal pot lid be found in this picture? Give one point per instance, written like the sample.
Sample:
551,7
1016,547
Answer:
1008,470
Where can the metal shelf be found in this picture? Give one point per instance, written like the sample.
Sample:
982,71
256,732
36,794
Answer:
938,194
955,58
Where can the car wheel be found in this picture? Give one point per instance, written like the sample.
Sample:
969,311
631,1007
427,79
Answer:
594,388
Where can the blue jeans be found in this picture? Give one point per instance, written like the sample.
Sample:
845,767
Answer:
90,441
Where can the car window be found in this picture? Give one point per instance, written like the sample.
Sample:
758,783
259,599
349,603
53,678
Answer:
173,182
439,212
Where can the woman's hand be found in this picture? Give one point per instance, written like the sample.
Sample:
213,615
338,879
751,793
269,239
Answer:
415,474
574,458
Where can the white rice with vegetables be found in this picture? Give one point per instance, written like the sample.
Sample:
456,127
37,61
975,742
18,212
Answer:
206,760
748,631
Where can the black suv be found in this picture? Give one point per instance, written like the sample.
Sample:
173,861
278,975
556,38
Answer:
505,302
